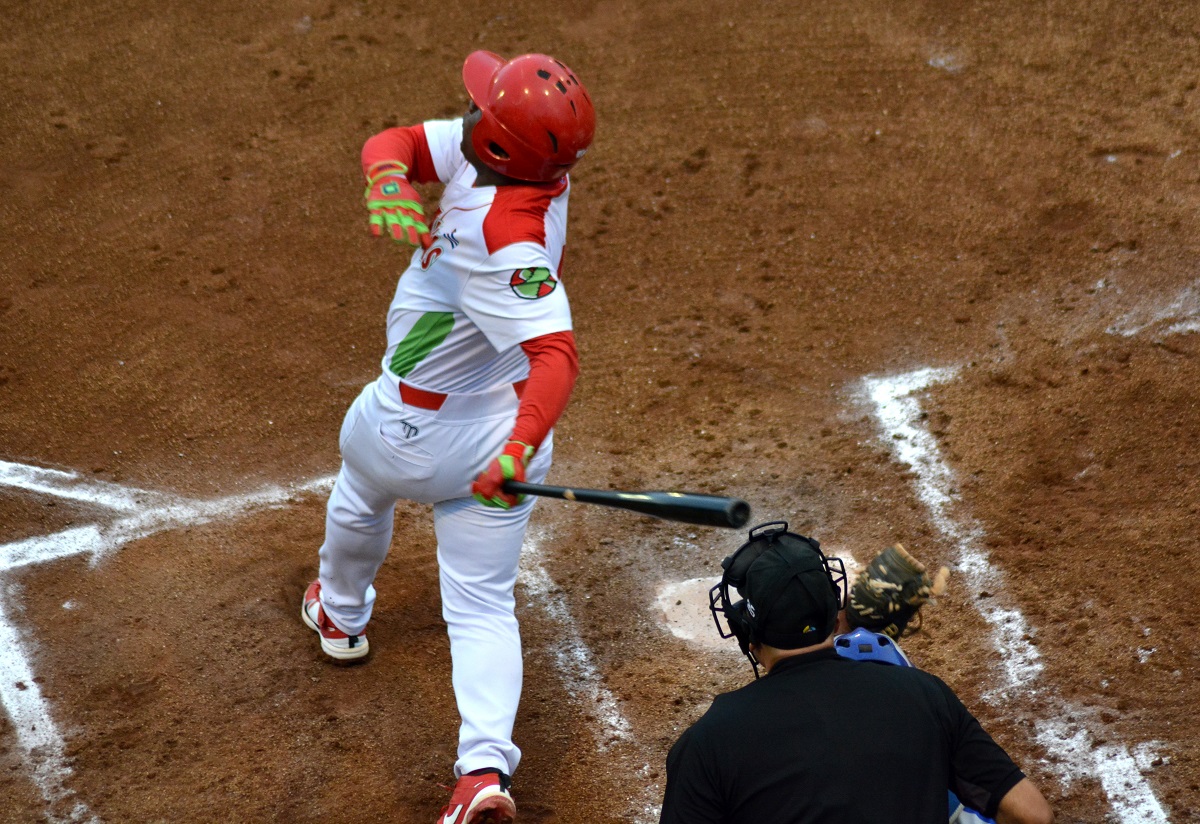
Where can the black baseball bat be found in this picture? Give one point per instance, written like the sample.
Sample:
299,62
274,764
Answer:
687,507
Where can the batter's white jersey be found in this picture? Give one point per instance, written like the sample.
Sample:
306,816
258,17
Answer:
489,281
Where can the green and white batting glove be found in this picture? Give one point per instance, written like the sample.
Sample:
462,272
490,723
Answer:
395,205
509,465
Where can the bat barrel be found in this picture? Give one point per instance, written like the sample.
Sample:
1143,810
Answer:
737,514
685,507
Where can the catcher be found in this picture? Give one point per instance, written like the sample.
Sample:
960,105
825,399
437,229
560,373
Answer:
790,747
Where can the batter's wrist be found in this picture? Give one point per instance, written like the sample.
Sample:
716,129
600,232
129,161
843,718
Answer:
385,168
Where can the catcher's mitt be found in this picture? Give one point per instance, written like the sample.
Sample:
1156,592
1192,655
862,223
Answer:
890,590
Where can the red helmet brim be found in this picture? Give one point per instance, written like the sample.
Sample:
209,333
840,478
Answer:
478,71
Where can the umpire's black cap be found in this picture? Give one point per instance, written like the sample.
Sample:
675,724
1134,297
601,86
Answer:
791,599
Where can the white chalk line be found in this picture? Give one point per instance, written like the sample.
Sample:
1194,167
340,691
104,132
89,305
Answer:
899,414
576,665
1119,771
39,739
36,732
75,487
37,736
173,513
1178,317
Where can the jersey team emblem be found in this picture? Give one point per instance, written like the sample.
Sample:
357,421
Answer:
532,284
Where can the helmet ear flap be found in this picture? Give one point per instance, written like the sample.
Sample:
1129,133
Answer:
484,143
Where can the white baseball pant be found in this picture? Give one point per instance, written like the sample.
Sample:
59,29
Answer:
392,451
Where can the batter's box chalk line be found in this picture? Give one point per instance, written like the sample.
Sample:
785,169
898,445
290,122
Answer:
1078,750
576,666
1178,316
137,514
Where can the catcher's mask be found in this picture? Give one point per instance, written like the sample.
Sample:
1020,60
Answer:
864,645
537,120
790,591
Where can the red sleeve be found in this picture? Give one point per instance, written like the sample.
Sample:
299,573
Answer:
406,144
553,367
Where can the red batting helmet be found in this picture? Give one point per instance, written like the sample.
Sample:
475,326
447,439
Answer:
537,118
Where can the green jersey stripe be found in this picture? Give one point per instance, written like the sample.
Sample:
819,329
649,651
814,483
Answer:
423,338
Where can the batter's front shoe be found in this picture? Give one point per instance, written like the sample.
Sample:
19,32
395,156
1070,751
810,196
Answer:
334,642
480,799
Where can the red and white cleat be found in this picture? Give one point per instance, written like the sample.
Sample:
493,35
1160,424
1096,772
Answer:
334,642
480,799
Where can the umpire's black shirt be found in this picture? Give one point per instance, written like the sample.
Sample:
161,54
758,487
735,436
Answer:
830,740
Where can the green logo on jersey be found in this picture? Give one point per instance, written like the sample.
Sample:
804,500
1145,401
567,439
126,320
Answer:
532,284
425,336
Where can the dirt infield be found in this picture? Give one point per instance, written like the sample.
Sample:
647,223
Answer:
789,211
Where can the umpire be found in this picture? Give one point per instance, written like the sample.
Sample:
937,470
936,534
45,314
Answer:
822,738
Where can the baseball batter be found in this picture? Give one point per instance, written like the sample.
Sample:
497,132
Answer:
479,365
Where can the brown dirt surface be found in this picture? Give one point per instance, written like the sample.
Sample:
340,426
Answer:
782,200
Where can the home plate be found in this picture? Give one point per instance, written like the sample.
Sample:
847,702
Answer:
683,606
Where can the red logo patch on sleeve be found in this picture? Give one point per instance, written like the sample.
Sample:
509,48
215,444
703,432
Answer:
532,284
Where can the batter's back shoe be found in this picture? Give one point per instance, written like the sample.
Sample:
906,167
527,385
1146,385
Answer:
480,799
334,642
